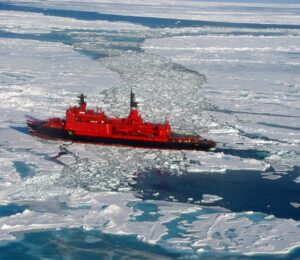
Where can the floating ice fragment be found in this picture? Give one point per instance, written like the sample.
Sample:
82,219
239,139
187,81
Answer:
271,176
295,205
270,217
297,180
209,198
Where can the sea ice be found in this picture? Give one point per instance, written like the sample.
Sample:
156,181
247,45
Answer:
243,93
276,13
248,98
208,198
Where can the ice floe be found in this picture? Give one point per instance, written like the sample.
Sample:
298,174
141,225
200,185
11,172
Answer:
113,212
209,198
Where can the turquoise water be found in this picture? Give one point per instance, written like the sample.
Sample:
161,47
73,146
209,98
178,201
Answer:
11,209
81,244
150,212
24,169
92,244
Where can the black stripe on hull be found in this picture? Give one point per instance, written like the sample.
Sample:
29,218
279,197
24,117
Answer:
52,133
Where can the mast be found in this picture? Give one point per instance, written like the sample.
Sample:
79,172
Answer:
82,103
81,99
133,103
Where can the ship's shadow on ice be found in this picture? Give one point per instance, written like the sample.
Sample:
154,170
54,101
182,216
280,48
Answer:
21,129
240,190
